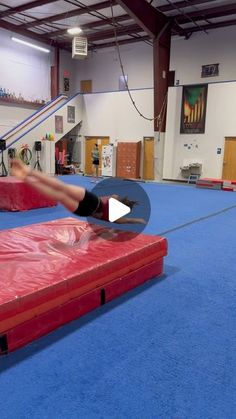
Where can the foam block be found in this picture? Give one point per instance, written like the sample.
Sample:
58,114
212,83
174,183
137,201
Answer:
209,183
16,195
229,185
57,271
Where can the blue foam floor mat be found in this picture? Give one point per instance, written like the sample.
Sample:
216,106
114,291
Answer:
164,350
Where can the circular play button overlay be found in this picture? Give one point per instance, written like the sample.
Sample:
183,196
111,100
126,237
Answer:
124,209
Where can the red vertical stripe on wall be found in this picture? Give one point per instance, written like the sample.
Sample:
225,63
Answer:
55,75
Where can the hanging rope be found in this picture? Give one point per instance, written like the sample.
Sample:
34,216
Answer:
159,117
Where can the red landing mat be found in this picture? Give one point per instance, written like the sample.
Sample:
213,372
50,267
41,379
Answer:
209,183
54,272
16,195
229,185
224,185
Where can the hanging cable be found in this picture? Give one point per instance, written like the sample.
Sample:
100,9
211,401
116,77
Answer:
159,118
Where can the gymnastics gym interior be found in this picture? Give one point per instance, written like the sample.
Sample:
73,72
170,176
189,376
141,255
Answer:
128,100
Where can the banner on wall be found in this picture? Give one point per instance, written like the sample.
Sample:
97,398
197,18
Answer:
193,113
66,81
71,114
108,160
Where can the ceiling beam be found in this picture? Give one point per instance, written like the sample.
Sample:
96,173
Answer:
210,26
123,42
125,30
145,15
29,34
100,36
182,4
76,12
26,6
210,13
120,31
91,25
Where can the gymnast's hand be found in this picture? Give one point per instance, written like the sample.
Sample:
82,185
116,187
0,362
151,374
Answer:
19,169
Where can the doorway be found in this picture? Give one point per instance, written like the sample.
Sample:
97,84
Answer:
229,162
89,144
148,158
86,86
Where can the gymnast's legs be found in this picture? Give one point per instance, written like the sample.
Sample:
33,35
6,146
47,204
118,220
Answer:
69,196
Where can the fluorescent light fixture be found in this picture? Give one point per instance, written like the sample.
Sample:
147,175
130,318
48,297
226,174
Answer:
28,44
74,31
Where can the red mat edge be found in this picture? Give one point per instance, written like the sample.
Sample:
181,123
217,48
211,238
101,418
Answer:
61,292
228,189
39,326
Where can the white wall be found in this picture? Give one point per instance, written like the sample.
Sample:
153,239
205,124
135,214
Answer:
217,46
46,124
106,114
33,69
187,58
103,68
113,115
24,70
220,123
11,115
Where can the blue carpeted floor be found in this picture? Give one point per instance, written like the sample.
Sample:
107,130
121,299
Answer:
166,350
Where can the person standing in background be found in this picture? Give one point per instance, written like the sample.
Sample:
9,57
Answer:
95,159
70,147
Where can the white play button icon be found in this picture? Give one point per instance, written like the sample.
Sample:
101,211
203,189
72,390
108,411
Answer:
117,210
121,197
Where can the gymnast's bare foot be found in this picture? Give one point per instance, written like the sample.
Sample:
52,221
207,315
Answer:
19,169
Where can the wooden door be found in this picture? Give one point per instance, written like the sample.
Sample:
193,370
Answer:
89,144
148,158
86,86
229,162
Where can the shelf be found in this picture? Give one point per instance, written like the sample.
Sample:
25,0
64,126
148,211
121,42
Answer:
23,103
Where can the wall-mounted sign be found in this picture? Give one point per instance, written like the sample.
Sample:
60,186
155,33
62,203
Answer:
210,70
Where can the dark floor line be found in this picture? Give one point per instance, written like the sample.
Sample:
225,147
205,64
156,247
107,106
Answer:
197,220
